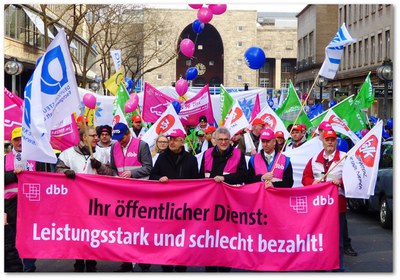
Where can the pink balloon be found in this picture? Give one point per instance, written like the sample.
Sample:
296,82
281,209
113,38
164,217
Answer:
181,87
187,47
205,15
217,9
195,6
131,104
89,100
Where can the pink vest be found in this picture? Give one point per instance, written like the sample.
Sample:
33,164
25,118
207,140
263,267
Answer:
231,165
260,166
130,160
11,190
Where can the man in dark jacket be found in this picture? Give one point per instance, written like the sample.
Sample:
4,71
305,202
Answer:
226,164
175,163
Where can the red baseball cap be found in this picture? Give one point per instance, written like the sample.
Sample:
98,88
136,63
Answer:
209,129
279,134
330,134
136,118
297,127
258,121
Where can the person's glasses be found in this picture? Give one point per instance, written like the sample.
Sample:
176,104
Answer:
223,139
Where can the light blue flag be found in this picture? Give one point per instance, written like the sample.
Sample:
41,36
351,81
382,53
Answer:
334,51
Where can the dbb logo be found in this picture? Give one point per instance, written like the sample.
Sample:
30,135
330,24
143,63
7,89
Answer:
320,200
269,120
367,151
54,190
165,124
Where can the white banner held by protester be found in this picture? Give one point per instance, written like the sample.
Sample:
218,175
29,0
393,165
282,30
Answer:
334,51
360,168
51,95
167,122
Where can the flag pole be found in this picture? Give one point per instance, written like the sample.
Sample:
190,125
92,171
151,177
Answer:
329,171
87,132
298,115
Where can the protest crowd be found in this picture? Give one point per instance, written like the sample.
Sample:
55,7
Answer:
268,150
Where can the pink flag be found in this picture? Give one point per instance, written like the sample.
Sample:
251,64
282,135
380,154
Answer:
65,134
182,222
155,103
256,108
12,112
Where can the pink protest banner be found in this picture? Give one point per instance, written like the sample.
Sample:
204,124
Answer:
183,222
155,103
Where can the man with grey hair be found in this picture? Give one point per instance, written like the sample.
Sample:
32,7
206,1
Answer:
226,164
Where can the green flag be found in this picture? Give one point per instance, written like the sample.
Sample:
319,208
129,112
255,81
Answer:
348,112
290,108
122,97
226,102
365,96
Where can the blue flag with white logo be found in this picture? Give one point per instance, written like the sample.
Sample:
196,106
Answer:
334,51
51,95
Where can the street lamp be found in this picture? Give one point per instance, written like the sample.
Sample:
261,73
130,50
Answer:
385,73
321,82
13,68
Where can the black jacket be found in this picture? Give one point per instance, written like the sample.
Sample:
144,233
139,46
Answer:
181,166
219,162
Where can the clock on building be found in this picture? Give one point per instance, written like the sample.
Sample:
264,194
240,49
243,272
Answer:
201,68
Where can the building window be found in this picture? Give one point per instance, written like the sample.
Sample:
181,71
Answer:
360,53
366,51
239,44
159,77
340,14
264,82
240,28
200,47
159,43
350,13
286,67
380,47
373,9
311,43
372,49
366,10
285,83
265,68
239,77
289,44
348,57
387,44
360,11
354,55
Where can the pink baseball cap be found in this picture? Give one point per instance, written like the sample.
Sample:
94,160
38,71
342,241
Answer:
177,133
267,134
326,126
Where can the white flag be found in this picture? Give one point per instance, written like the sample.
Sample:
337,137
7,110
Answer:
340,126
272,120
334,51
51,95
300,156
236,119
361,166
117,58
167,122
